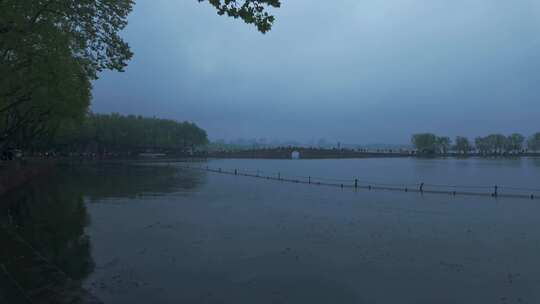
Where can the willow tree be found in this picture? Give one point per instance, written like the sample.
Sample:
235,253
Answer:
514,142
462,145
251,11
425,143
533,143
51,51
60,91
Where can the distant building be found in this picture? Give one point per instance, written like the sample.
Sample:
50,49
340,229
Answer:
295,155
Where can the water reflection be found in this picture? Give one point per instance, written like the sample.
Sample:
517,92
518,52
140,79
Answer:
240,240
52,218
50,212
114,181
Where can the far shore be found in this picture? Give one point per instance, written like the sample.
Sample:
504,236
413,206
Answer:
8,167
308,153
16,173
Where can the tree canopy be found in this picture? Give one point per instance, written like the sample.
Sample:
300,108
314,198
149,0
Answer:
251,11
52,50
462,145
119,133
498,143
534,142
425,142
428,143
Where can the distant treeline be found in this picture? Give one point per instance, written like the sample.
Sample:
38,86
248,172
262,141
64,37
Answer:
118,133
428,143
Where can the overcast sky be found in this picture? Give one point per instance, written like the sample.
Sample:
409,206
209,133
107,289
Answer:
355,71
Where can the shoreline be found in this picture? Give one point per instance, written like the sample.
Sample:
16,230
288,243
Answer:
351,154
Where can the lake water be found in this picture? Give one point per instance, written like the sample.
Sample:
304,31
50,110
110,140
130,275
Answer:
163,234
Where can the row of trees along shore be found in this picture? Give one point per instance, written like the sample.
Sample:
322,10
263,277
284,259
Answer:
428,143
52,50
121,134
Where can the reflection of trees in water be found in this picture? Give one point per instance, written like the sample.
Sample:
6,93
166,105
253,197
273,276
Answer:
52,219
50,213
108,181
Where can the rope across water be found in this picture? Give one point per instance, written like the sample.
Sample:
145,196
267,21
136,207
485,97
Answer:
493,191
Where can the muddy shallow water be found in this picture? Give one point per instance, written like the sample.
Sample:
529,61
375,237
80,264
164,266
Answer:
160,234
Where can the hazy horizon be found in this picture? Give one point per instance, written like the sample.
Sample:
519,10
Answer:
357,72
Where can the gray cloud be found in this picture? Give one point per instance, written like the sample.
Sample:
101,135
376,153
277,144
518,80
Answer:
348,70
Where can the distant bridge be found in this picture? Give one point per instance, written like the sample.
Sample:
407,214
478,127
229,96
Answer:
315,153
307,153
